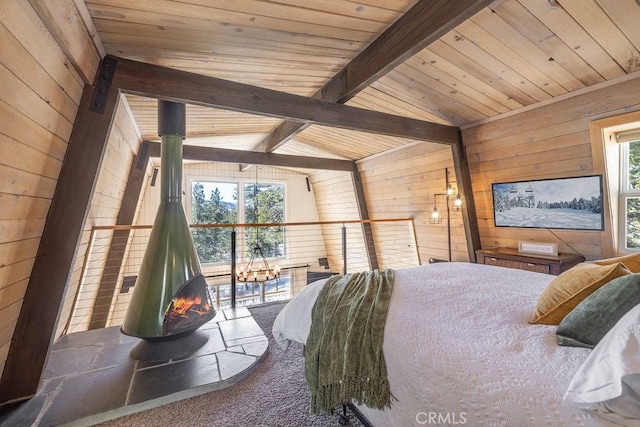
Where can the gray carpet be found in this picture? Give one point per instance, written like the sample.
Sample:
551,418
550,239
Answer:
275,394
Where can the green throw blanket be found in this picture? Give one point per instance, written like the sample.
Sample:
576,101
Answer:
344,360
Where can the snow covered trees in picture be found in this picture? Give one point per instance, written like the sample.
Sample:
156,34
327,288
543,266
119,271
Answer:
570,203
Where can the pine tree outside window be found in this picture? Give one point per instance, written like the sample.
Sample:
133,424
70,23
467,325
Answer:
629,225
213,203
267,200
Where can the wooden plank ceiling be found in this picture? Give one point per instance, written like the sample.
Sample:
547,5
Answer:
511,54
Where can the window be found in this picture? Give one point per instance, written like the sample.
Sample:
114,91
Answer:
213,203
267,200
231,203
629,200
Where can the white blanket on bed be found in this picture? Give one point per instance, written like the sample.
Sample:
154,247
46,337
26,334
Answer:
459,349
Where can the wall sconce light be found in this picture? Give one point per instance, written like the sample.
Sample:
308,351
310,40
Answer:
457,203
449,195
436,218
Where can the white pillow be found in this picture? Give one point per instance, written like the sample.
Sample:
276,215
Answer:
608,382
294,320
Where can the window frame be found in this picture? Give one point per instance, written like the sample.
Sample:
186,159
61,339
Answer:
624,193
241,241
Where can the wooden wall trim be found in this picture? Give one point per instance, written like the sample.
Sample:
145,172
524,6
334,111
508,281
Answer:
67,25
35,329
584,91
469,216
83,10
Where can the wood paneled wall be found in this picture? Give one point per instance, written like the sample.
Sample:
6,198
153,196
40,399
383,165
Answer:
336,201
39,97
549,141
402,184
124,143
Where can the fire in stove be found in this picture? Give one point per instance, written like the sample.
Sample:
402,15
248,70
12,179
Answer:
190,308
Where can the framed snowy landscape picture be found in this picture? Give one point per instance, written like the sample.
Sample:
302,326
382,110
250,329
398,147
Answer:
568,203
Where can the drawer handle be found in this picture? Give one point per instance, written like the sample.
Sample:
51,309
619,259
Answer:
531,264
494,259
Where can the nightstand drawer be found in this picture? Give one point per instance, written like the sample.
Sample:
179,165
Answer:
511,258
520,265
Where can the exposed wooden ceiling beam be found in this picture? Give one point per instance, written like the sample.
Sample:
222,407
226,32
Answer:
143,79
210,154
423,24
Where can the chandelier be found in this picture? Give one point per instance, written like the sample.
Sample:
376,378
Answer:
256,271
258,268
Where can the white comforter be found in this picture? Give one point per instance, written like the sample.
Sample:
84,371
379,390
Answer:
459,349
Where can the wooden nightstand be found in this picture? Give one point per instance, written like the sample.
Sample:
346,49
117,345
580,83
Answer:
510,257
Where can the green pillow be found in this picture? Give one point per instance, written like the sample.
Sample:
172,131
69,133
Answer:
590,320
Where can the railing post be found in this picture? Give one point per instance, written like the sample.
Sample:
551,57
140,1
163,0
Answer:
344,249
412,229
233,268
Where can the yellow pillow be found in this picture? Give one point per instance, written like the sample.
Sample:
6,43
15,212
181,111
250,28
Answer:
569,288
631,261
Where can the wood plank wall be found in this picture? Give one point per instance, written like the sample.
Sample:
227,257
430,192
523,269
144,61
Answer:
546,142
39,97
402,184
336,201
124,142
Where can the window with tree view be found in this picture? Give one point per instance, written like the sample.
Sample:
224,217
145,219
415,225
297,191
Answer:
264,204
213,203
224,203
630,195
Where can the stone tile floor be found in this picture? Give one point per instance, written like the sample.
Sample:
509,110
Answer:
90,376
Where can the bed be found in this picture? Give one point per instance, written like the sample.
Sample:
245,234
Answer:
459,349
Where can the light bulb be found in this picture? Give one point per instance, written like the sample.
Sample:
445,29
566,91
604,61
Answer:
435,214
450,191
